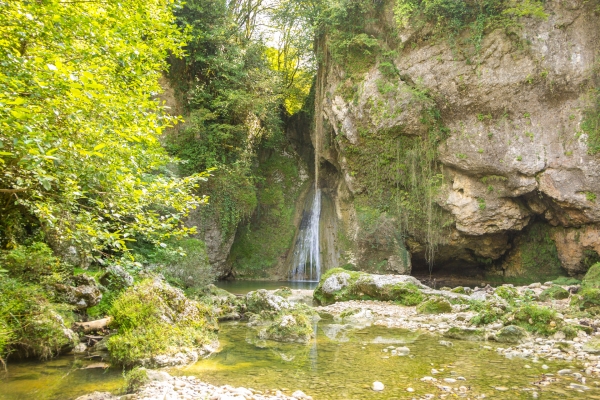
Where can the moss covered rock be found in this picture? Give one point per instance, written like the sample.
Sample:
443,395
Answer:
512,334
592,346
435,305
554,292
262,300
342,285
470,334
158,326
537,319
30,325
225,306
591,280
290,326
587,299
506,292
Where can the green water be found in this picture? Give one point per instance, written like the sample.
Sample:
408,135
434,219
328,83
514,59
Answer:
243,287
336,365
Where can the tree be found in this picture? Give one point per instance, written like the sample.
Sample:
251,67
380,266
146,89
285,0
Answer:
80,123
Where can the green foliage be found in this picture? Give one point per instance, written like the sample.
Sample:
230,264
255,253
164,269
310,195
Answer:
538,255
155,319
30,325
507,293
135,379
451,19
565,281
261,242
590,125
537,319
35,263
487,312
184,263
401,175
592,277
349,44
80,122
434,305
406,294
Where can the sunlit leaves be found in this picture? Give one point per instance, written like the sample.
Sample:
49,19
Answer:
79,122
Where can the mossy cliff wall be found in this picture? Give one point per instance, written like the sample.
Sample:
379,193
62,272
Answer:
462,147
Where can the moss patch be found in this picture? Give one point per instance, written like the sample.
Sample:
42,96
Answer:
537,319
470,334
155,319
592,277
434,305
554,292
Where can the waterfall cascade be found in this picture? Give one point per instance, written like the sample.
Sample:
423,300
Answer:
307,258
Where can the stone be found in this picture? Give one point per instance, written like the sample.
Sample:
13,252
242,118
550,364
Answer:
98,396
377,386
263,300
512,334
469,334
435,305
554,292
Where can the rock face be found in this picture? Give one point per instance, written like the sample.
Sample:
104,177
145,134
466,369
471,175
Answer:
514,153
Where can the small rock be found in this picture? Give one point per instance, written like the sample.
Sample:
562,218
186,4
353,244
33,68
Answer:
377,386
410,389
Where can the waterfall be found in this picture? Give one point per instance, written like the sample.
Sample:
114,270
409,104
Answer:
307,259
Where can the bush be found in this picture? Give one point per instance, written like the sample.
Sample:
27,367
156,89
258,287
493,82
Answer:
538,319
30,325
155,319
135,379
507,293
488,312
35,264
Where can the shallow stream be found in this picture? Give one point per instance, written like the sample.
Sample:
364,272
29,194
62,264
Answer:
341,363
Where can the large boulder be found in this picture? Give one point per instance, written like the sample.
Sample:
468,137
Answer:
158,326
341,285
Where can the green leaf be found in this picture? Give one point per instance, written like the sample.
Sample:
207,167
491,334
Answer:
100,146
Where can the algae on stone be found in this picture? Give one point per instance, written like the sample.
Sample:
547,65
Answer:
554,292
435,305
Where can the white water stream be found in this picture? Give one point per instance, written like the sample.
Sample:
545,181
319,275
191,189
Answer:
307,258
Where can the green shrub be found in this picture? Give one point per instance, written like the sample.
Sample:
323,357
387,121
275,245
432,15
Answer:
538,319
508,293
35,263
135,379
434,305
30,325
154,319
488,312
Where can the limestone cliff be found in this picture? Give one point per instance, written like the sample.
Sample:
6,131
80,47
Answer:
514,180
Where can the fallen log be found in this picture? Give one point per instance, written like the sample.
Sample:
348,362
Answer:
91,326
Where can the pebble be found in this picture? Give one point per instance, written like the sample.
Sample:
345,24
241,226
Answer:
377,386
410,389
